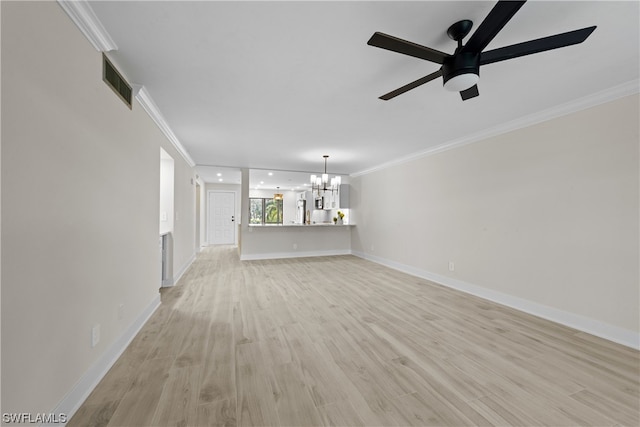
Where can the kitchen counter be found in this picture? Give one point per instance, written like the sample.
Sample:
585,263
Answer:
294,240
299,225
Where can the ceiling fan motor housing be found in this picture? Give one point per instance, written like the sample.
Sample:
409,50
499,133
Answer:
460,63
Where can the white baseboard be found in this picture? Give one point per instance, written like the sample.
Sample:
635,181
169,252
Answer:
184,268
170,282
304,254
81,390
591,326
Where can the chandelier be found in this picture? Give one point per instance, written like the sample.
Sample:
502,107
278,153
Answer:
320,184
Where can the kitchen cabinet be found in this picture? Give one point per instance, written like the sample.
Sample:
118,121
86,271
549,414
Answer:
330,201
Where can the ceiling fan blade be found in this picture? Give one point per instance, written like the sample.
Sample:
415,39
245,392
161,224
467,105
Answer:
395,44
492,24
535,46
472,92
411,85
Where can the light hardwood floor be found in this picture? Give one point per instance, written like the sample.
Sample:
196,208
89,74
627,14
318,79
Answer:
343,341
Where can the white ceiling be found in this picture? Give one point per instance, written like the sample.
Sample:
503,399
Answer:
265,179
275,85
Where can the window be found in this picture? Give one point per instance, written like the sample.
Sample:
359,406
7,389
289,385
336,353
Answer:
265,211
256,210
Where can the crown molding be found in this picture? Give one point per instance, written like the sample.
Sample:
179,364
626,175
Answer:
86,20
152,109
608,95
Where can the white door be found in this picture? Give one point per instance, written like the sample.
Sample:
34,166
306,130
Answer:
221,224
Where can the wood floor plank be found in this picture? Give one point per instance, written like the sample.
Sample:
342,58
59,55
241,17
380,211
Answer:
218,375
292,399
369,388
256,405
220,413
138,405
341,341
177,404
340,413
607,405
430,409
494,409
273,344
192,351
94,415
319,374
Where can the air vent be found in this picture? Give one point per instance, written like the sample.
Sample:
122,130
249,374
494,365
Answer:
115,81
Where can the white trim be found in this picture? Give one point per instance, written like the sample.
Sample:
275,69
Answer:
591,326
85,385
589,101
86,20
281,255
172,281
145,100
185,267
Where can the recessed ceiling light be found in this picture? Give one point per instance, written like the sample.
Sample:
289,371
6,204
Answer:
220,180
218,174
270,174
261,182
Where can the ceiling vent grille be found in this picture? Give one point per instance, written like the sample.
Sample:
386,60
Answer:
115,81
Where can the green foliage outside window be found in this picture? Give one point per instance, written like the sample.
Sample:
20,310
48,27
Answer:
255,211
265,211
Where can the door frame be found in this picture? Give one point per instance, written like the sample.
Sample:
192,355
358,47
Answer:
198,213
210,218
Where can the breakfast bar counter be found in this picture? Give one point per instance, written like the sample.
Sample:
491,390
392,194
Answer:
294,240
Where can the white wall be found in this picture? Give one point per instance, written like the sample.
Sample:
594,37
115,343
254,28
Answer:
0,234
546,214
77,248
167,172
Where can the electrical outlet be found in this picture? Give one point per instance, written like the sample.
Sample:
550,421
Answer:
295,246
452,266
95,335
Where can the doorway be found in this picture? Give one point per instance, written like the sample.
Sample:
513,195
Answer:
167,178
197,217
221,217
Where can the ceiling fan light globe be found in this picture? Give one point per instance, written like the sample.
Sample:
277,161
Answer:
461,82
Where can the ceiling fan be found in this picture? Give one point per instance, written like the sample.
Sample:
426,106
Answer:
460,71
